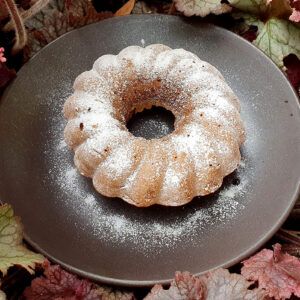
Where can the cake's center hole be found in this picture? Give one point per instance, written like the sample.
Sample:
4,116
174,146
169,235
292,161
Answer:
153,123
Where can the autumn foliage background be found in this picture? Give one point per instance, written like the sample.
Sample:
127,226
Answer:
26,26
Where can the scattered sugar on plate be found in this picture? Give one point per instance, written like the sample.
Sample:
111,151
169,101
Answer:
62,144
90,200
121,229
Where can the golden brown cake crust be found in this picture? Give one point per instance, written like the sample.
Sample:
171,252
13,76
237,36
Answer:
191,161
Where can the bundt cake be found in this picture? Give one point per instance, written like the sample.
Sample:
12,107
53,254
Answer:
191,161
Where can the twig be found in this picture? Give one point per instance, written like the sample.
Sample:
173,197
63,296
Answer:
284,235
26,14
18,25
291,249
295,213
296,232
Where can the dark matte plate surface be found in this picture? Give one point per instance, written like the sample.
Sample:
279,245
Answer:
107,239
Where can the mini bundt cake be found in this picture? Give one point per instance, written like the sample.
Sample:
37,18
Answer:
191,161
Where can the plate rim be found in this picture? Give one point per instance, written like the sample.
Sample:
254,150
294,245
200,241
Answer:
244,254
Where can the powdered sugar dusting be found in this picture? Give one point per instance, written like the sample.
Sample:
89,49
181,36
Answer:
90,200
62,144
122,228
152,126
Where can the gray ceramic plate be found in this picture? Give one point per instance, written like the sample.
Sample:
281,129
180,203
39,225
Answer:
107,239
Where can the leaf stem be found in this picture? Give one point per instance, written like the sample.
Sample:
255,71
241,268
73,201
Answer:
26,14
288,237
18,24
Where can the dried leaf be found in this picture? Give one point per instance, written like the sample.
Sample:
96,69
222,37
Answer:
257,7
126,9
161,7
57,18
108,293
279,38
215,285
201,7
275,272
184,287
59,284
141,7
12,250
220,285
279,9
285,8
268,9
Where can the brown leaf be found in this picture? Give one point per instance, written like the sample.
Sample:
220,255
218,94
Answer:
276,272
56,19
202,7
220,284
286,262
125,9
141,7
59,284
111,293
279,9
184,287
